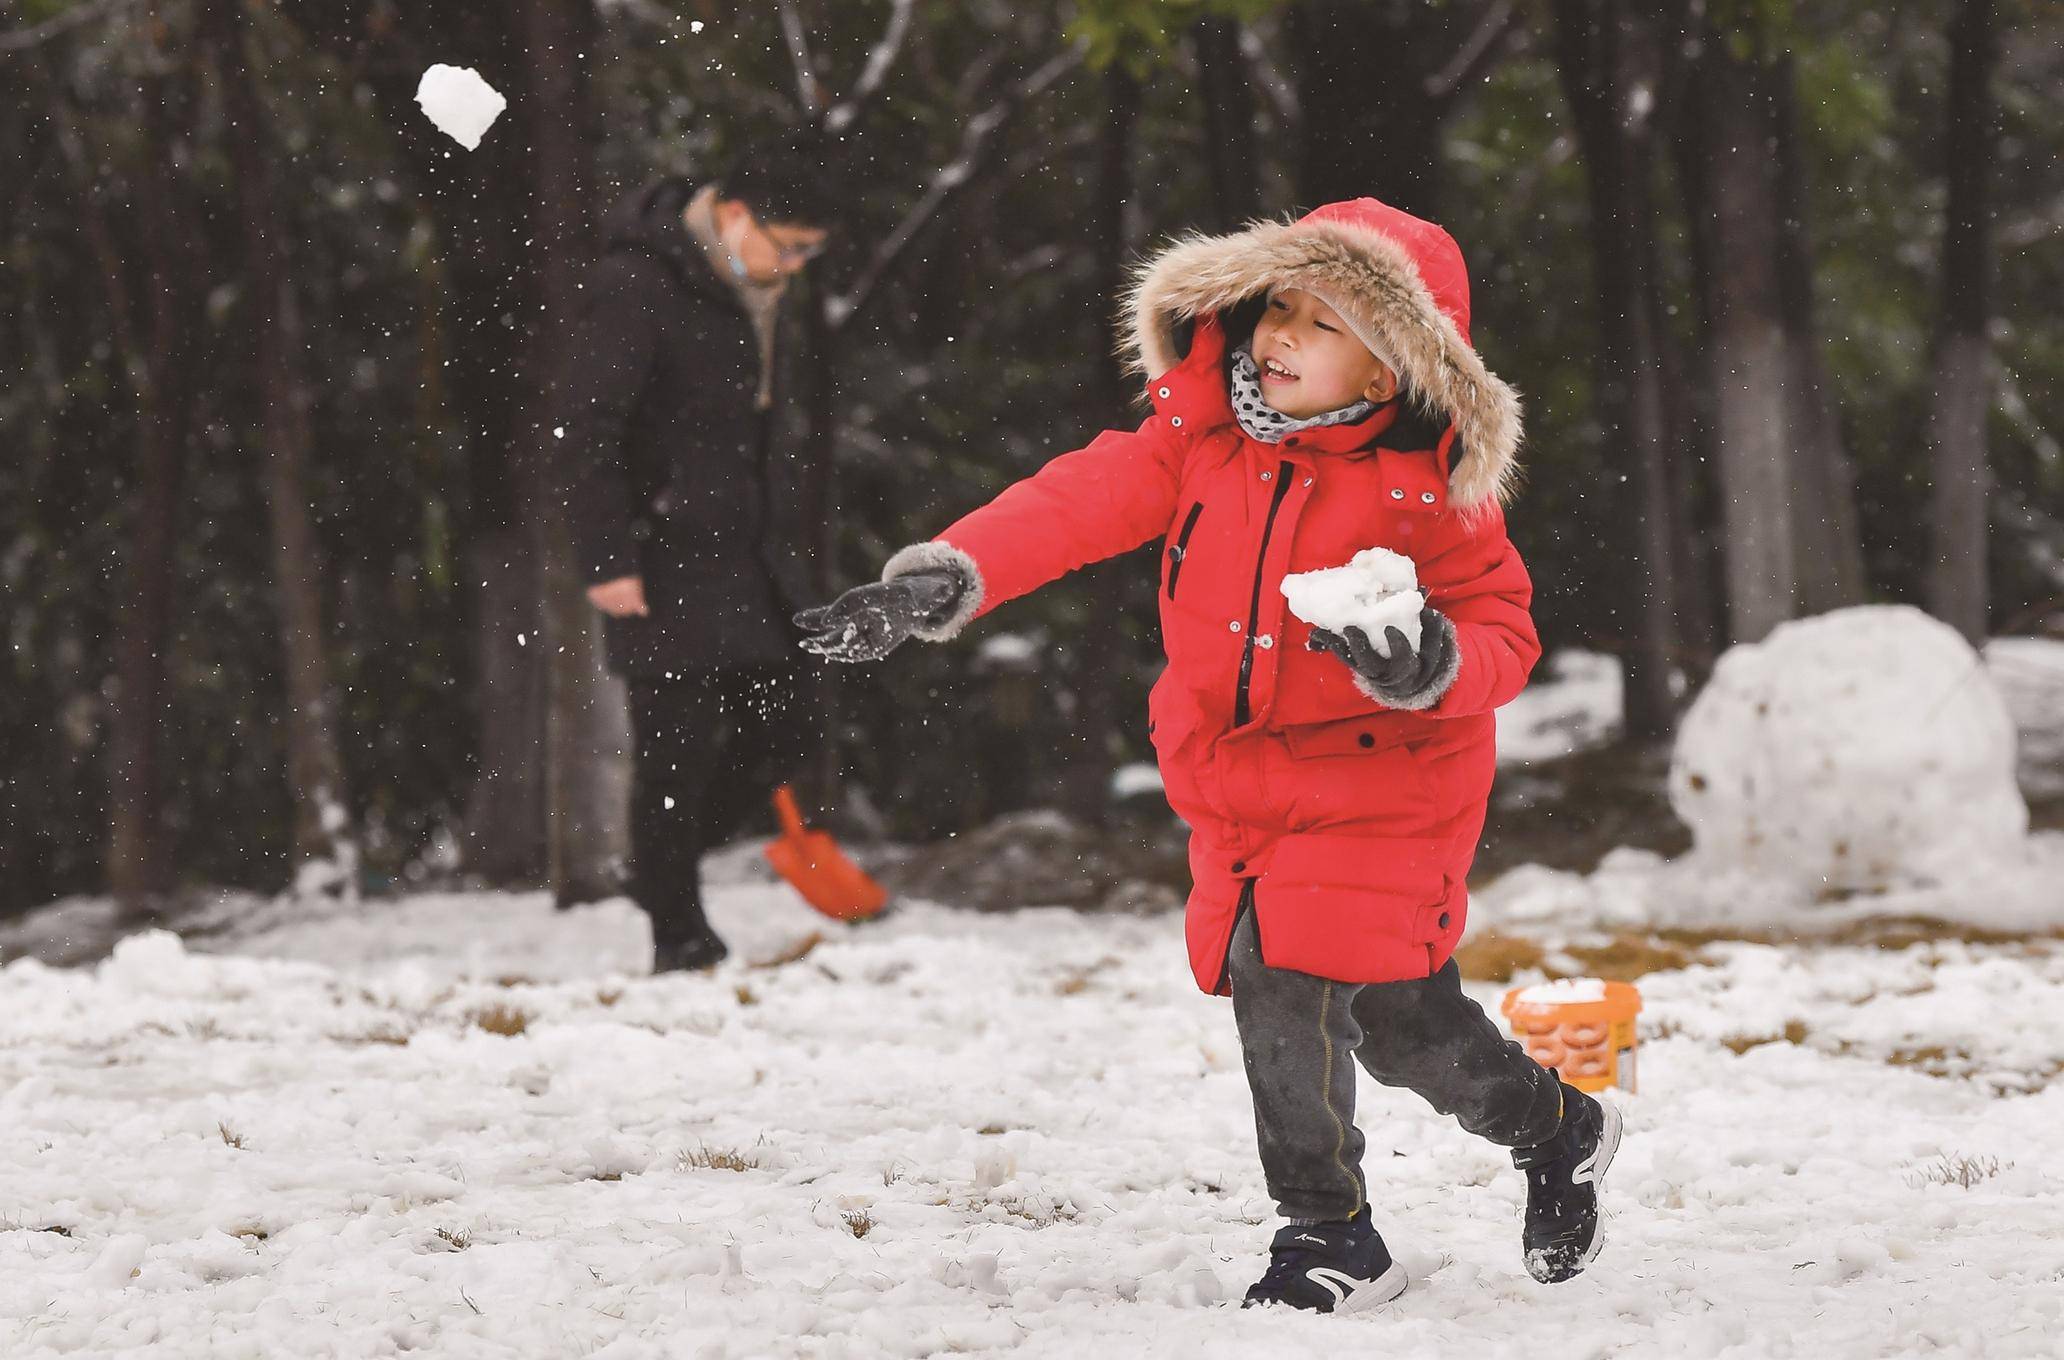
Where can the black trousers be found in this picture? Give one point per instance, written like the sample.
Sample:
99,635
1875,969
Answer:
1301,1037
711,747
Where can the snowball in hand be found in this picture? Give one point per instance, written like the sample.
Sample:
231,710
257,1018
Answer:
1862,749
1379,589
461,104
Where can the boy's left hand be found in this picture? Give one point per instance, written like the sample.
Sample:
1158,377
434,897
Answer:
1406,678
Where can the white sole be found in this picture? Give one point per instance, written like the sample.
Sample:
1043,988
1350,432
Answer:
1377,1292
1608,1146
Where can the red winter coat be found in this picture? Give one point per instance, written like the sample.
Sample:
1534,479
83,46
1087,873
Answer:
1355,823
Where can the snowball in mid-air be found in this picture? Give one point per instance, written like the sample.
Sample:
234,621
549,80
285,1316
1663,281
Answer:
461,104
1863,749
1378,589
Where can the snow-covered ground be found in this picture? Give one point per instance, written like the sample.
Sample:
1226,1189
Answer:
955,1133
466,1125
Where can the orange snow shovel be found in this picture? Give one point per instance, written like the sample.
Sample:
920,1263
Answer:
815,867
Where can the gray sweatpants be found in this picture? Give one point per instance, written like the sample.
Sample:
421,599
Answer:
1297,1034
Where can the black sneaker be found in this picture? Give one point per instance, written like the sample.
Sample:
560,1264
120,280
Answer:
1338,1267
1563,1176
697,951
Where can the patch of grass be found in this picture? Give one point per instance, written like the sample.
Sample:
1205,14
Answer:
1076,980
707,1158
235,1140
1628,957
380,1034
793,952
508,1021
457,1239
1794,1033
1494,956
858,1221
1956,1169
746,995
608,996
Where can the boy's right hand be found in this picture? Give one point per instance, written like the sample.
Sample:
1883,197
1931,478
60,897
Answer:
868,622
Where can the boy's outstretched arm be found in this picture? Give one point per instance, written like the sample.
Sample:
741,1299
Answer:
1103,499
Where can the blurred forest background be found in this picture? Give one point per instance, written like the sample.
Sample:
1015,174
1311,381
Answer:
282,575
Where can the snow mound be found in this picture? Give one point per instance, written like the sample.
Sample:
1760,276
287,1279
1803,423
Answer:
1865,749
461,104
1378,589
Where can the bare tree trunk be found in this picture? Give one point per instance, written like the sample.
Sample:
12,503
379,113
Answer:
1368,126
315,782
154,334
1824,519
1731,183
1608,62
587,742
1097,645
1957,585
1228,122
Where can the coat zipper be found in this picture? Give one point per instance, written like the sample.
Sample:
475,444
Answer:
1182,546
1240,714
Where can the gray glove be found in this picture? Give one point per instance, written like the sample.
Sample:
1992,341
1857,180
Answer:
1406,678
868,622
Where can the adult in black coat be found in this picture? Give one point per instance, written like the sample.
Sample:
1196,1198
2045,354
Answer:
685,515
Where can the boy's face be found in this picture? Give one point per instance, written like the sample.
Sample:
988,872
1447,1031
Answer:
1310,362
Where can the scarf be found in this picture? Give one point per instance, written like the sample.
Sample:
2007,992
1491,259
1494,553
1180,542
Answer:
762,301
1263,422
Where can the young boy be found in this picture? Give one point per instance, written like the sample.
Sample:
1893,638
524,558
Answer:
1316,394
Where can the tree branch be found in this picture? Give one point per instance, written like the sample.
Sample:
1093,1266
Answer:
880,60
35,35
805,67
1478,53
947,181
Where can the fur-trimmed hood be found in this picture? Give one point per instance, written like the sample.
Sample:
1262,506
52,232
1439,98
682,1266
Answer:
1397,280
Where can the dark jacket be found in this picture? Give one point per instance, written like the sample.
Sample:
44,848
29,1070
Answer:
669,472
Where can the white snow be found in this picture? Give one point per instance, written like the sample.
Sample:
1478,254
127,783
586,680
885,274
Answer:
1136,780
459,102
1562,991
1572,702
1377,589
1863,749
312,1146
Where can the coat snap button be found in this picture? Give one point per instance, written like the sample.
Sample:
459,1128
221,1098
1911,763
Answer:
1265,640
1366,739
1234,625
1427,496
1175,421
1239,866
1266,475
1397,493
1443,922
1161,392
1307,481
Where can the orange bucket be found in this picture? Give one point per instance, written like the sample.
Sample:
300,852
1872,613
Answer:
815,867
1582,1027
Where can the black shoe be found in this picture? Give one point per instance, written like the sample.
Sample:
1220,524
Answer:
1563,1176
1337,1267
697,951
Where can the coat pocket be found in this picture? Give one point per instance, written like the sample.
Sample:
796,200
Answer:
1355,908
1180,549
